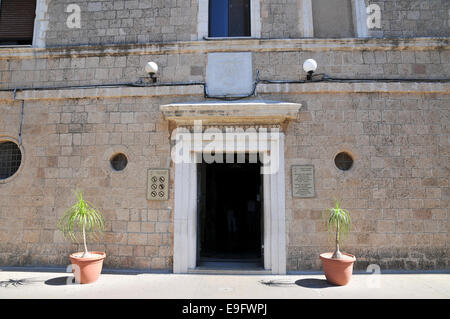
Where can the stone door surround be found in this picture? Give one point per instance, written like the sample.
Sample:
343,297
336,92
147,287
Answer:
185,211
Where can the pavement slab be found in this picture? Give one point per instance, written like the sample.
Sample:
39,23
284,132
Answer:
59,285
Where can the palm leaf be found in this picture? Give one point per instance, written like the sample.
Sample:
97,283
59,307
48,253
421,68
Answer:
338,220
81,216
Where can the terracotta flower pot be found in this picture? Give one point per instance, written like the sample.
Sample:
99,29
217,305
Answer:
338,271
87,270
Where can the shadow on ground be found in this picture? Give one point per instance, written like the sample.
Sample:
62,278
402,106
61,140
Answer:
60,281
18,282
277,283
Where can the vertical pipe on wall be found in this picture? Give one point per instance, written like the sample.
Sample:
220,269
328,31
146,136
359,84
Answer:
21,122
22,105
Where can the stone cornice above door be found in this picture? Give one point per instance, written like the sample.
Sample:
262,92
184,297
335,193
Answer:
233,113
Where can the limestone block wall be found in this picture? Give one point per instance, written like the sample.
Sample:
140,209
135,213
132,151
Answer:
186,62
415,18
99,69
144,21
123,21
397,190
280,19
412,18
355,64
148,21
67,144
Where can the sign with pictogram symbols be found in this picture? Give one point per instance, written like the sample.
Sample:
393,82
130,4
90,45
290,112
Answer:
158,184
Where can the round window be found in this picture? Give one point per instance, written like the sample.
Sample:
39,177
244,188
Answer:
10,159
119,162
343,161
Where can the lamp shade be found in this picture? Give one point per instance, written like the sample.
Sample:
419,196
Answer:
151,67
310,65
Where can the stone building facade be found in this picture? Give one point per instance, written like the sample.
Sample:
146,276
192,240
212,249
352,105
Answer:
77,96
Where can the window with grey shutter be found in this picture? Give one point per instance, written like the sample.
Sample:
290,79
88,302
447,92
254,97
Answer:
333,19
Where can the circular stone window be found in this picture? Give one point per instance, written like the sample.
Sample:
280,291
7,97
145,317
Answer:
10,159
343,161
119,162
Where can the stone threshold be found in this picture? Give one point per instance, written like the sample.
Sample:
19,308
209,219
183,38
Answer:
224,271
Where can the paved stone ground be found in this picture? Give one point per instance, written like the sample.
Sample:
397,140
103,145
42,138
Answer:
46,284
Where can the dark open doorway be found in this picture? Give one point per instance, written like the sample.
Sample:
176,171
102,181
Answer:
230,212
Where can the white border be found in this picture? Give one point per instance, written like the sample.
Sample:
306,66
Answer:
203,17
185,213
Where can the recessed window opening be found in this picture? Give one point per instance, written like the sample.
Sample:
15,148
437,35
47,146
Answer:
332,19
17,22
10,159
119,162
343,161
229,18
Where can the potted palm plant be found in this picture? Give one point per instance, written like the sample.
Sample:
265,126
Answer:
338,266
79,222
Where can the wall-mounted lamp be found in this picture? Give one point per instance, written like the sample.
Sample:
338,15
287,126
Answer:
152,69
309,66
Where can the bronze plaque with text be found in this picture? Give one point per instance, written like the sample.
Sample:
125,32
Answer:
303,181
